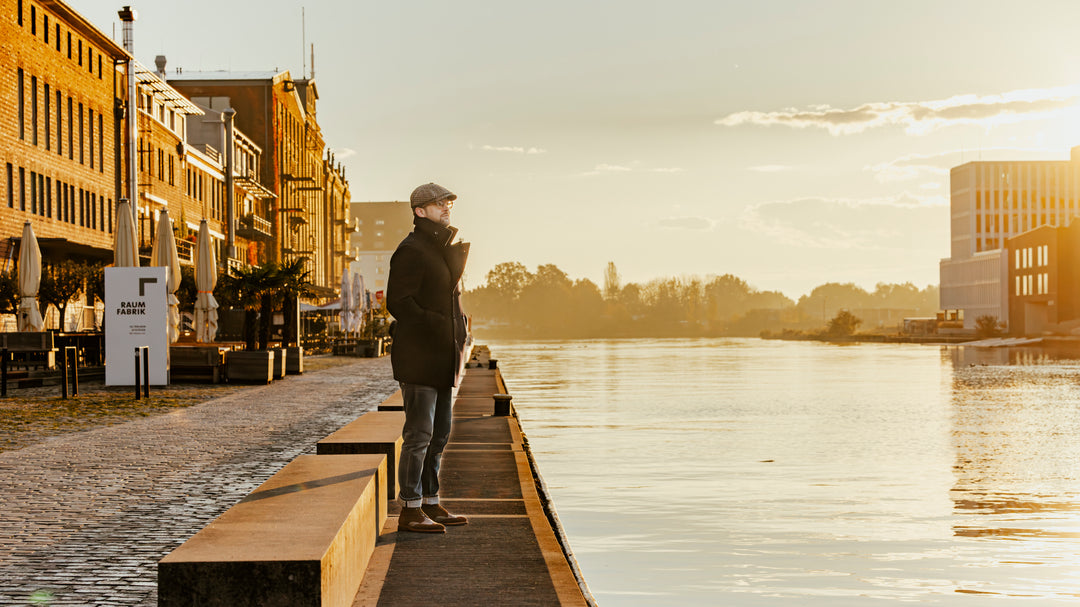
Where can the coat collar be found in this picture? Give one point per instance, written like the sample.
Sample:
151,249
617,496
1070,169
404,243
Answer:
440,234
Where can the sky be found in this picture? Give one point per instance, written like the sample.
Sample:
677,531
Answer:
790,143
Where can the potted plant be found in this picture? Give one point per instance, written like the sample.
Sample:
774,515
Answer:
245,289
295,283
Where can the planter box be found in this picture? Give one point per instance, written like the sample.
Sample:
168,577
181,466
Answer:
294,360
251,366
279,362
197,363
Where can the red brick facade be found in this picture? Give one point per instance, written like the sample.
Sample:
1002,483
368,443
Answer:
57,131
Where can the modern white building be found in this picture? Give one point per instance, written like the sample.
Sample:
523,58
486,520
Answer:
989,203
380,226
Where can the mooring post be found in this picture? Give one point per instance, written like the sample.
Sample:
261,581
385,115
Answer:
74,371
3,372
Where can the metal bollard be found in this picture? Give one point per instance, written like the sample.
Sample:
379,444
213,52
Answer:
138,375
502,404
146,371
64,372
74,370
3,372
71,353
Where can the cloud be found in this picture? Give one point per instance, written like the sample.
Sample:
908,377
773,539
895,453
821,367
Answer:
343,153
618,168
901,223
514,149
920,117
687,223
770,168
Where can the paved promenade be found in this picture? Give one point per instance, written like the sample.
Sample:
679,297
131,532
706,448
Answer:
85,517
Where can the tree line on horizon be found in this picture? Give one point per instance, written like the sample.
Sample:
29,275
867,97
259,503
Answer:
515,302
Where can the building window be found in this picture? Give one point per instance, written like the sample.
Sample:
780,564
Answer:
90,114
59,123
33,193
1018,286
10,186
22,189
19,11
82,134
48,195
1017,259
69,44
22,103
33,20
101,144
109,206
59,200
45,27
48,118
33,109
99,66
80,53
90,58
71,131
56,38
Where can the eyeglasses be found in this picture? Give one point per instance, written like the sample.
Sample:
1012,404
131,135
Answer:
442,204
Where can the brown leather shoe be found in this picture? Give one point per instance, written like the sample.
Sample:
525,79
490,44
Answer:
414,519
439,514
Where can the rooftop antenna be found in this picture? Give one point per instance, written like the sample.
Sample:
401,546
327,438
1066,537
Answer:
312,61
303,41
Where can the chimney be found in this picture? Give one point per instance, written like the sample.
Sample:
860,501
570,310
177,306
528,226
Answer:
159,61
128,16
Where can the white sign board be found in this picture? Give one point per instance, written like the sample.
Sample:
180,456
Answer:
136,314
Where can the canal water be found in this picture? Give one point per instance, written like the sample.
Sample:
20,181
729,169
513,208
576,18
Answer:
751,472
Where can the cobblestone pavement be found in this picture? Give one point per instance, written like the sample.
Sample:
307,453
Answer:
84,517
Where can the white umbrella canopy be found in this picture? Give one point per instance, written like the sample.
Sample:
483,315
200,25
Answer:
125,247
358,302
164,255
206,316
29,280
345,318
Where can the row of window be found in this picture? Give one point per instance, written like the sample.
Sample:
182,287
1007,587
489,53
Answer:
157,163
206,188
1032,257
1013,223
35,193
1014,200
74,44
1033,284
45,115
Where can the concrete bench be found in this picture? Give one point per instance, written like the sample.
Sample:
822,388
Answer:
201,363
372,432
392,403
304,537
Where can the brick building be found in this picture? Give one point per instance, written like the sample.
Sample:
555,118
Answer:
1043,272
58,131
308,216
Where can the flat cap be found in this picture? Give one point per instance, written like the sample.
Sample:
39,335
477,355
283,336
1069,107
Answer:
430,193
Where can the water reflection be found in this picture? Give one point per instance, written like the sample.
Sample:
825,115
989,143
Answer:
1015,429
702,472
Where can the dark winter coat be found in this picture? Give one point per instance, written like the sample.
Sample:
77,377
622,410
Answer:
423,294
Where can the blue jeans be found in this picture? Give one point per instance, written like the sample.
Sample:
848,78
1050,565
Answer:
426,431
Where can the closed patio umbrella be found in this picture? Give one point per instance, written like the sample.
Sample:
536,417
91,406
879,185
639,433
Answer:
164,255
345,318
358,302
206,317
29,280
125,248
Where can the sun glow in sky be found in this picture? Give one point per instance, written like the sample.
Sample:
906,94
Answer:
790,143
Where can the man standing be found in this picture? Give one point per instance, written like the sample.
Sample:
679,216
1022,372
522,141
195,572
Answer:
424,296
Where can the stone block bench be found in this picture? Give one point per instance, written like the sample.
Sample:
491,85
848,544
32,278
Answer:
30,348
373,432
304,537
392,403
